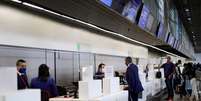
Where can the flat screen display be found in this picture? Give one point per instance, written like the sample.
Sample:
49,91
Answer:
130,11
118,5
144,17
160,31
150,22
138,2
171,40
175,44
107,2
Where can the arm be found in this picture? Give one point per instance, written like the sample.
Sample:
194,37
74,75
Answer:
54,89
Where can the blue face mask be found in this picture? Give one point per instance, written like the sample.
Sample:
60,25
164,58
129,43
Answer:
23,71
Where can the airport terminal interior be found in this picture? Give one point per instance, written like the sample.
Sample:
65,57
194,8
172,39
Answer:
100,50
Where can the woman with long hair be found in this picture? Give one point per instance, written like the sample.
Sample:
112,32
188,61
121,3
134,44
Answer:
45,83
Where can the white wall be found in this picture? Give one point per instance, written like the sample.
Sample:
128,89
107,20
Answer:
20,28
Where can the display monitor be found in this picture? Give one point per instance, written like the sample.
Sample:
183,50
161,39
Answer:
118,5
138,2
161,32
171,40
107,2
130,11
175,44
144,17
150,22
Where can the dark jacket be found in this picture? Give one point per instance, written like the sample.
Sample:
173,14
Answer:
22,81
48,86
132,77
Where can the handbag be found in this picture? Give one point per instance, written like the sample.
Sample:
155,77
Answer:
158,74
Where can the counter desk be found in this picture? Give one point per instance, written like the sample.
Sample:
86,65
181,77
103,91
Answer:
119,96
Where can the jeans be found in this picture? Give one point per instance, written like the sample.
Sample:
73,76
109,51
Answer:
169,88
132,96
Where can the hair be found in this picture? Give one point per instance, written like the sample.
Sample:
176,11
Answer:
100,66
168,57
20,61
43,72
179,61
129,59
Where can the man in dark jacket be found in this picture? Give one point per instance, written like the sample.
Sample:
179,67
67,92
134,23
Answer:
132,77
21,74
169,70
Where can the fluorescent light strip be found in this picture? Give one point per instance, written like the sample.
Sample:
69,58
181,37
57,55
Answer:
93,26
17,1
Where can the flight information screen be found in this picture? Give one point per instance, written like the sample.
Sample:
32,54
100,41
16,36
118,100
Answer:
144,17
107,2
130,11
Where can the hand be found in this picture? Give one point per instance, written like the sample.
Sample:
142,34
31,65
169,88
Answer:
170,76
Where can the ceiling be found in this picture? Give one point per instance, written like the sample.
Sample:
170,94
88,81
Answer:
190,14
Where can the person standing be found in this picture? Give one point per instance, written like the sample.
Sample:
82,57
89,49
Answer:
169,69
100,73
21,74
45,83
178,76
133,80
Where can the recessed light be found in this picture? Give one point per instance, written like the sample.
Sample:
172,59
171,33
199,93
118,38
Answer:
187,10
189,19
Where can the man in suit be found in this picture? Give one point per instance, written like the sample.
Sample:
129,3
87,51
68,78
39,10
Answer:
132,77
21,74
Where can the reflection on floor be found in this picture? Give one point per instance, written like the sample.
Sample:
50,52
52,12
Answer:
164,98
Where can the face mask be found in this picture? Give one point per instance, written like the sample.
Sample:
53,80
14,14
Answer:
23,71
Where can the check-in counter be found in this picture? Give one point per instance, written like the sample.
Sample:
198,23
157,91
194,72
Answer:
21,95
118,96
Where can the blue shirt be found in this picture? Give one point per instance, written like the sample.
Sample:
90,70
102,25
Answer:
168,69
132,77
48,86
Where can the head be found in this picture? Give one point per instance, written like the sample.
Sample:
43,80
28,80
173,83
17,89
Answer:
128,60
101,67
179,62
168,59
21,66
43,72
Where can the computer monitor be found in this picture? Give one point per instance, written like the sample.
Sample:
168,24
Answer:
144,17
107,2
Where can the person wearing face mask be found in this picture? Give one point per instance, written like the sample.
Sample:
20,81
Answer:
21,74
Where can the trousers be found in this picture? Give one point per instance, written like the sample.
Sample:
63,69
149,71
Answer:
169,85
132,96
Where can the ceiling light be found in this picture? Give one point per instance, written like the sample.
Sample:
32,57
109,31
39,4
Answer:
187,10
18,1
189,19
